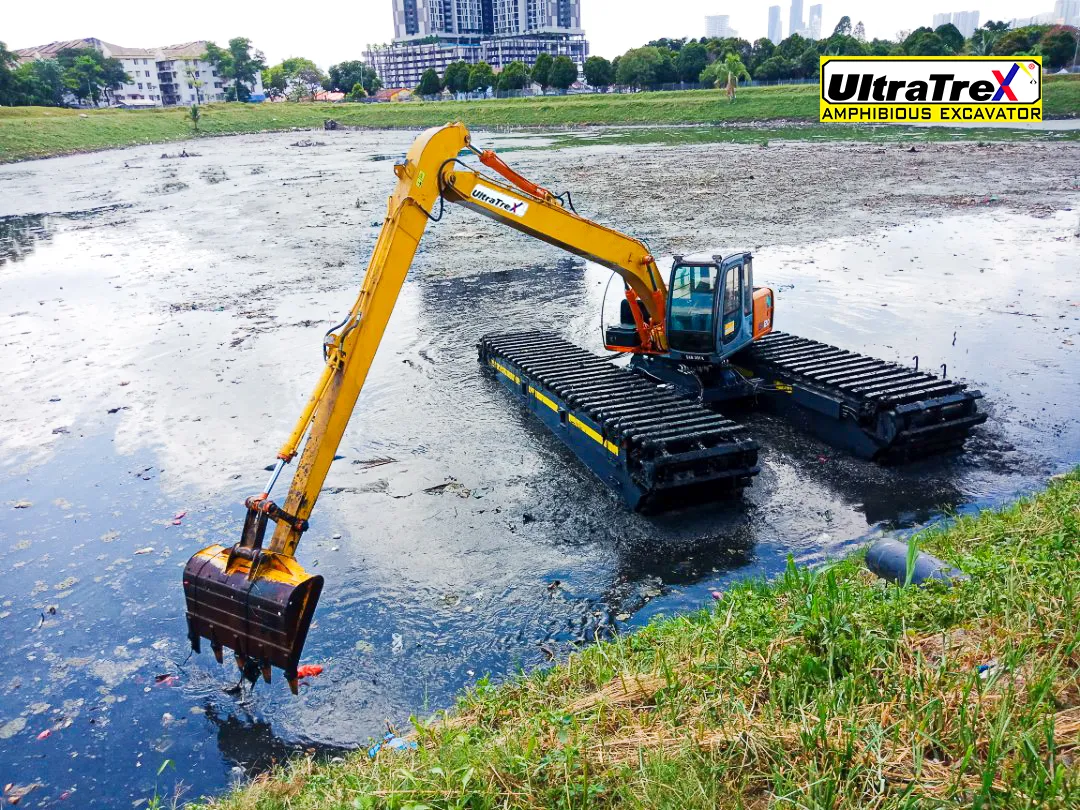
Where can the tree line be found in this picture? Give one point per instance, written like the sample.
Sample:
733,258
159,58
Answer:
296,78
87,75
460,77
702,61
83,73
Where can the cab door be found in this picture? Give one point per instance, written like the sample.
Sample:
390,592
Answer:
735,302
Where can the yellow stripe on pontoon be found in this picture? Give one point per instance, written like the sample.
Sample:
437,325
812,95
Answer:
592,434
549,402
500,367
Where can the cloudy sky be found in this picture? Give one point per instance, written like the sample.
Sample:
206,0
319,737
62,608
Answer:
333,32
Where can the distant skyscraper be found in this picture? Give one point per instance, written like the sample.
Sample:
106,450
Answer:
776,32
815,22
717,27
1067,12
795,20
965,21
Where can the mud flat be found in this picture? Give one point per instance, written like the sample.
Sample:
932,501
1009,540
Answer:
160,329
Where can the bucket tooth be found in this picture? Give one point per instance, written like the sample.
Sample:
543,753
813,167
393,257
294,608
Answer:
294,685
266,672
217,652
587,403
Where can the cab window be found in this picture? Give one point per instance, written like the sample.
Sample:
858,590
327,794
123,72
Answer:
692,293
732,290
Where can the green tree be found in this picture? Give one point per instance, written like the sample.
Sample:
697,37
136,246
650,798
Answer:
638,67
774,69
690,60
843,28
481,77
456,78
951,36
675,45
541,70
564,72
296,77
792,48
982,41
237,64
667,73
7,75
344,75
245,66
84,79
311,79
222,60
598,72
275,82
113,75
514,76
358,93
882,47
761,50
1010,42
998,27
925,42
1058,46
87,74
195,114
430,85
841,45
39,82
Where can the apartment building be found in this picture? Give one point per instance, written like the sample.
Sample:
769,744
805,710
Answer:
160,77
434,33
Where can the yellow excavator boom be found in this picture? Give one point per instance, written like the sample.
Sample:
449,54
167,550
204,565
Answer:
259,601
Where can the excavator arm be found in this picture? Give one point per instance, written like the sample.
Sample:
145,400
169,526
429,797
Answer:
258,601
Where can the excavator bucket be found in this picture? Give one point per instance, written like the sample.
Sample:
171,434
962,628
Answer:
257,603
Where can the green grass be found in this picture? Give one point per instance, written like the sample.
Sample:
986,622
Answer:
820,689
29,132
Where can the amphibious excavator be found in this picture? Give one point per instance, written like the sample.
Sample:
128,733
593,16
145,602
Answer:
698,337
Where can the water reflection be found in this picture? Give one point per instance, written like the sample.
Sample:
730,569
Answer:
20,234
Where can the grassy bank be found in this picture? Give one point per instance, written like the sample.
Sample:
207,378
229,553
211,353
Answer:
820,689
28,132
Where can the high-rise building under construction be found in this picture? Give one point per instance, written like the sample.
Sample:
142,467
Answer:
434,33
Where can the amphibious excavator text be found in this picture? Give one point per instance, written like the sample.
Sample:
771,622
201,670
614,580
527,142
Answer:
698,337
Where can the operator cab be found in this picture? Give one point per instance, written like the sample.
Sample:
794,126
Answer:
713,308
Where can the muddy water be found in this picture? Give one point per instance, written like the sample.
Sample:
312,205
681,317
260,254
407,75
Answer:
160,329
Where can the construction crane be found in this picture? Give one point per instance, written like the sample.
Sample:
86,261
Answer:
700,337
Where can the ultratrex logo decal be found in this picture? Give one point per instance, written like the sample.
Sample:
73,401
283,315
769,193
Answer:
497,199
939,88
